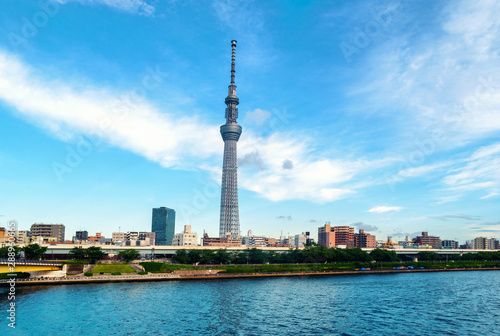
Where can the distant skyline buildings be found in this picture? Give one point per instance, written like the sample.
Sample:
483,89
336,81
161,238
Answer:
163,224
333,132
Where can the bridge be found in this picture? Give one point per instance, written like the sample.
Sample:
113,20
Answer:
63,249
23,265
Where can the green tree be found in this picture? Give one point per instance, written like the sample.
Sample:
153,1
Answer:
384,255
129,254
194,256
181,257
4,251
94,253
428,255
207,257
221,256
256,256
34,251
357,254
77,253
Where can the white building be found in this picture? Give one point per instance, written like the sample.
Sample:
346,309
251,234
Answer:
186,238
301,239
118,237
22,237
251,240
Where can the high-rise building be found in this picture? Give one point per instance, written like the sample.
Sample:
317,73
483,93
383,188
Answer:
344,235
480,243
81,235
493,244
425,239
230,131
449,244
163,224
363,239
326,236
301,239
48,230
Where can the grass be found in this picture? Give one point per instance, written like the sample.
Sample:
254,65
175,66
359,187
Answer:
110,268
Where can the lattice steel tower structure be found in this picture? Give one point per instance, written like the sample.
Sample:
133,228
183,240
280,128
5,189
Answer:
230,131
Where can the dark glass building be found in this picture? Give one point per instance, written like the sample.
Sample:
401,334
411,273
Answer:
163,225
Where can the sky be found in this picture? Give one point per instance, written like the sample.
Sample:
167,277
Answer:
381,115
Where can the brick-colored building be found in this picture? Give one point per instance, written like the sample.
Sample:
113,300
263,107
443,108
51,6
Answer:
425,239
220,241
326,236
96,238
363,239
344,235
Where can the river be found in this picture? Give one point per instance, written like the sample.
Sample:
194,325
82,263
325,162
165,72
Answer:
443,303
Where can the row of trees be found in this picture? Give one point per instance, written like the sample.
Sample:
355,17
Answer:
94,253
31,252
312,254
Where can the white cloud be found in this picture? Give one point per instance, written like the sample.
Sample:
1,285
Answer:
383,208
132,6
480,172
68,111
257,117
422,170
448,84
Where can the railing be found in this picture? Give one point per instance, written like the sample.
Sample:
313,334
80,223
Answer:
25,262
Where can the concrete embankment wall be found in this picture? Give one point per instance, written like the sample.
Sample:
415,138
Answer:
218,276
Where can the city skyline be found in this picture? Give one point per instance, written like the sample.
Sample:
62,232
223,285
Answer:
382,116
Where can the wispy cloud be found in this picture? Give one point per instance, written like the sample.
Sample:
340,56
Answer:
133,6
68,111
480,172
448,217
383,208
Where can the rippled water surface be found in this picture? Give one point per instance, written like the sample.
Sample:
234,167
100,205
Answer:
450,303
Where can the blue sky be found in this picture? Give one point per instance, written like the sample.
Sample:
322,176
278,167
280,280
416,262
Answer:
380,115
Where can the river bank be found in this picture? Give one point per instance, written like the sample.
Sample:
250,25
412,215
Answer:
216,276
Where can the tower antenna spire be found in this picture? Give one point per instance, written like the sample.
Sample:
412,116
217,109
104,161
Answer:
233,58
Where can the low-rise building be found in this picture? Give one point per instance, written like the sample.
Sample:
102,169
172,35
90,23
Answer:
118,237
449,244
186,238
220,241
98,238
254,241
22,236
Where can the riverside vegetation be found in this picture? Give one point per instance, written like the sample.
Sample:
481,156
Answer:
314,259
